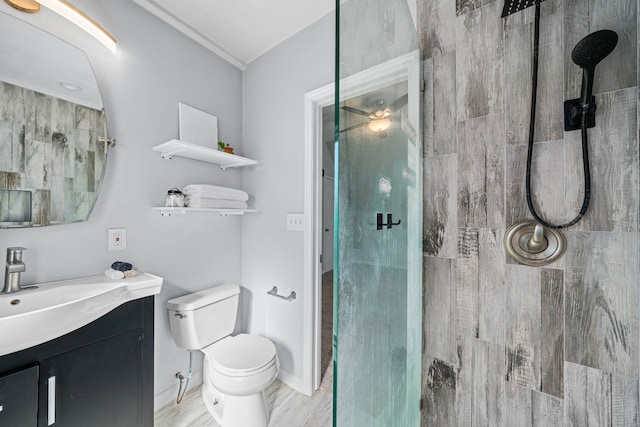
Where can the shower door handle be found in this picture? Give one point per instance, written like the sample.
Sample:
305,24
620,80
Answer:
380,225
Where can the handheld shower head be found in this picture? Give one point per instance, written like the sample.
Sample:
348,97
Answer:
588,53
594,48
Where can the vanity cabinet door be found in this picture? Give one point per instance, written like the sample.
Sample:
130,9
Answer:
19,398
98,385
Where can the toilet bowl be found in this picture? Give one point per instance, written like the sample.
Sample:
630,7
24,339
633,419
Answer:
236,369
239,369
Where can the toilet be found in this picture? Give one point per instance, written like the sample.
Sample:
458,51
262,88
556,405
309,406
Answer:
237,369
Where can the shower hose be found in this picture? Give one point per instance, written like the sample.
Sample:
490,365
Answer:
585,153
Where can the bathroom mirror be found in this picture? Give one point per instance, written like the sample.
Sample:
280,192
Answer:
52,157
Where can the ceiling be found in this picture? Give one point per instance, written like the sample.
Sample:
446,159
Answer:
238,30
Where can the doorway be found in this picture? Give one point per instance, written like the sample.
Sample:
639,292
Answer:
319,156
326,260
358,88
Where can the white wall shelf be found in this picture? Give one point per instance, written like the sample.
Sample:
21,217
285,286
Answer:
166,211
175,147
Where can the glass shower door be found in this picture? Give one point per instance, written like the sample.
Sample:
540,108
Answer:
378,290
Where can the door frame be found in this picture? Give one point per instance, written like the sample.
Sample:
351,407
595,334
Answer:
403,68
314,102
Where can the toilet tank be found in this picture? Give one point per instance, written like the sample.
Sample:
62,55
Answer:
202,318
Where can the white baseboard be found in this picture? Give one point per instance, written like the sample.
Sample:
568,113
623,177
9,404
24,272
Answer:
294,382
169,395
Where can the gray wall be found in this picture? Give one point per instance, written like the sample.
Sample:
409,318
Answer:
273,126
506,344
155,68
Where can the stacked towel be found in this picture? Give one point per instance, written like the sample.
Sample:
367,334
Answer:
212,196
203,202
214,192
113,274
119,270
117,274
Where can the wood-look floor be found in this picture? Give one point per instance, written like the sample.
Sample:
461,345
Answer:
288,407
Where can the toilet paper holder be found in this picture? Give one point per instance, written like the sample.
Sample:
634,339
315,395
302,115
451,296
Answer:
274,292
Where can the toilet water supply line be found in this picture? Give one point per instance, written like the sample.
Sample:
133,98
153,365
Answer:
181,378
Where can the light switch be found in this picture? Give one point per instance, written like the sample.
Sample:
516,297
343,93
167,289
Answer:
295,222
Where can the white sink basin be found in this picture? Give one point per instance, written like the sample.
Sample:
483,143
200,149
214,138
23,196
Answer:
32,317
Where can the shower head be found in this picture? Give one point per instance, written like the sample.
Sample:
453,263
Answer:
588,53
513,6
594,48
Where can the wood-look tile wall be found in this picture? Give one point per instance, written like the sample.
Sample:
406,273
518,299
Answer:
49,147
506,344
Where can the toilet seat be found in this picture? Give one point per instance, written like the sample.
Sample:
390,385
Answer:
241,355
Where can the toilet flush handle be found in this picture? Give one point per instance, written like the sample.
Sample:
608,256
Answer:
180,315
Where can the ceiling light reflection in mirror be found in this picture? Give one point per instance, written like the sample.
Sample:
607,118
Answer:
22,59
70,12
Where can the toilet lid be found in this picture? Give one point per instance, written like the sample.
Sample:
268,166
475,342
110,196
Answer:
242,354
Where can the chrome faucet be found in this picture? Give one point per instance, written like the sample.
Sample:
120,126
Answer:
15,266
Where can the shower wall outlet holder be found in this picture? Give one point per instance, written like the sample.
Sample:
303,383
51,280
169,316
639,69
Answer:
573,114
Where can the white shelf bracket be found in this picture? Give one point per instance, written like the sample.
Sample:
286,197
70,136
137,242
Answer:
231,165
226,213
173,212
169,154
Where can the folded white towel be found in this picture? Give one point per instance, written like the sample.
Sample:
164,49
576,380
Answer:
215,192
201,202
113,274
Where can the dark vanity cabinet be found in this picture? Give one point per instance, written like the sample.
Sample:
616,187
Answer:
19,398
100,375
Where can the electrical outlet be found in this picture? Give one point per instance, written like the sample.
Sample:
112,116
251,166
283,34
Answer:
295,222
117,239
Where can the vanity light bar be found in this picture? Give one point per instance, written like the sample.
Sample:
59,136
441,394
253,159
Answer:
75,15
